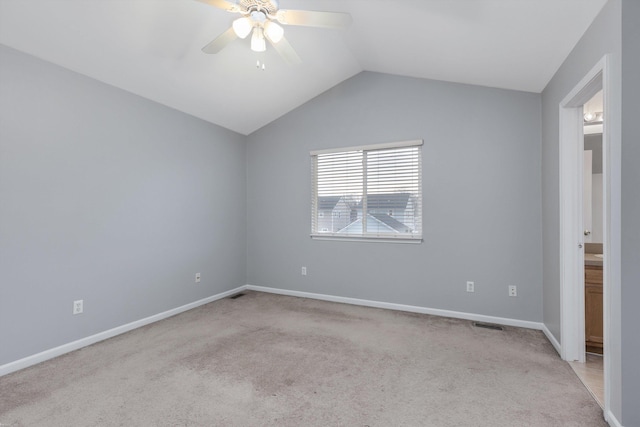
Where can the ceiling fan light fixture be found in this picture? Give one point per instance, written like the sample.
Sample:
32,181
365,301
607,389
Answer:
242,27
273,31
259,18
257,40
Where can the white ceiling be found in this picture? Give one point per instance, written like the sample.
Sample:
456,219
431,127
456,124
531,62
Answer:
152,48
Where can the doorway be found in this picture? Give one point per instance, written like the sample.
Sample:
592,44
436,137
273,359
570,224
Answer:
573,234
593,224
591,372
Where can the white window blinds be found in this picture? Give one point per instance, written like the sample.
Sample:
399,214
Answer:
368,192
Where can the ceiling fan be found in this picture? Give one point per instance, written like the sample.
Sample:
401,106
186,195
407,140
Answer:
259,19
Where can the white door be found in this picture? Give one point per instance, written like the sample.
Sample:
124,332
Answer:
587,193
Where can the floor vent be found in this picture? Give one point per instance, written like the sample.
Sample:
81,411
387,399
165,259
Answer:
236,296
488,326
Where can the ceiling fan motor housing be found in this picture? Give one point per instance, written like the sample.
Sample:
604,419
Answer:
268,7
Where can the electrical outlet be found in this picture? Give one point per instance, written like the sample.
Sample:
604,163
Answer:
197,277
304,271
513,291
470,287
78,306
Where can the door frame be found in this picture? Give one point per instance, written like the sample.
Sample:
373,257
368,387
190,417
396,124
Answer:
572,316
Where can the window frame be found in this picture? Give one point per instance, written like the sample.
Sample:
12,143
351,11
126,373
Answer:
414,237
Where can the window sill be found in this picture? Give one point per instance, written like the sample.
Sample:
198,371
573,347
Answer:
403,240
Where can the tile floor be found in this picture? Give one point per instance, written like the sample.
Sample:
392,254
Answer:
591,373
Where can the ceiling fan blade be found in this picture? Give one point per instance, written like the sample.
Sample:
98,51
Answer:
222,4
310,18
220,42
286,51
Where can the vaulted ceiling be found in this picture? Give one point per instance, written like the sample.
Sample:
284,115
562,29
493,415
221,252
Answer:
152,48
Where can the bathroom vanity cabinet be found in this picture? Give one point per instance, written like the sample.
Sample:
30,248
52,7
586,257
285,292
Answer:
593,308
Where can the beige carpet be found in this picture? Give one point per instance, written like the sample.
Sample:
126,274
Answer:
268,360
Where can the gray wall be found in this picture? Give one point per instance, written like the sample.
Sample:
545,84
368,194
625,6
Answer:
617,22
630,273
602,37
482,197
110,198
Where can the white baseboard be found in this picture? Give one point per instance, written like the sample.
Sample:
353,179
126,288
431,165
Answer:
552,339
612,420
83,342
402,307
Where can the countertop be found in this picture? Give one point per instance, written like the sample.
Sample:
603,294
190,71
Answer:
592,259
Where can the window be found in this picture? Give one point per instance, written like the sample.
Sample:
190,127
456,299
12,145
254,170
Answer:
378,187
